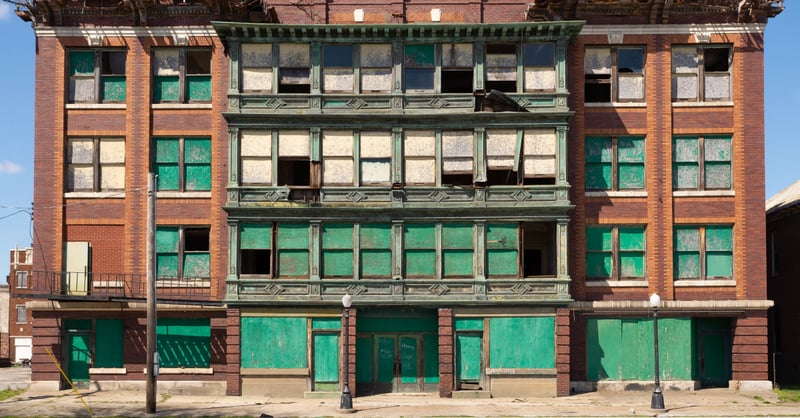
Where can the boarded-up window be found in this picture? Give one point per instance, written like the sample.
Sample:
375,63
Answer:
539,159
293,250
614,163
337,158
522,342
501,149
181,75
294,158
702,163
418,68
457,161
183,164
375,250
95,164
109,335
337,68
420,250
255,249
375,157
502,247
457,68
420,157
540,67
294,74
96,76
501,67
701,73
703,252
257,67
184,342
274,342
376,68
256,157
182,252
614,74
615,252
457,250
337,250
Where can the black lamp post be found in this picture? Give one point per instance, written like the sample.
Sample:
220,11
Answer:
347,400
657,401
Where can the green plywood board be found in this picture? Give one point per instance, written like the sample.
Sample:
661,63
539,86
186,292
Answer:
501,236
376,263
501,262
419,55
431,359
114,88
337,236
420,263
109,343
293,262
326,358
168,176
197,150
456,236
81,62
420,236
196,265
376,236
337,263
167,239
522,342
385,352
198,88
409,348
598,176
167,265
457,263
399,323
326,323
365,359
274,342
293,236
255,236
166,89
468,357
468,324
184,342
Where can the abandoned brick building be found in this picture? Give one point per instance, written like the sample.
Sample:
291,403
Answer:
500,186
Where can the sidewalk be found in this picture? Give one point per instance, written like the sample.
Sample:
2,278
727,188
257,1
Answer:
701,403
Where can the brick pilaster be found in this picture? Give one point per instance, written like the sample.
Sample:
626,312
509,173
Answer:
233,356
562,351
446,357
750,361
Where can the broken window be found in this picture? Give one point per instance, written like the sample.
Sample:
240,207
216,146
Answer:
255,151
538,249
337,250
294,162
539,156
294,74
703,252
419,151
501,67
418,68
614,163
376,68
337,68
375,246
293,250
183,164
615,252
255,249
614,74
257,68
501,146
181,75
457,68
536,256
95,164
375,148
702,163
96,76
529,156
457,151
539,66
701,73
182,252
337,158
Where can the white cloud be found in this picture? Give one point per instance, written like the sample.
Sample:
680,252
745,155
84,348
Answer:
5,11
7,167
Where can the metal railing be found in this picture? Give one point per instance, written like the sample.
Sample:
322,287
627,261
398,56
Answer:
114,286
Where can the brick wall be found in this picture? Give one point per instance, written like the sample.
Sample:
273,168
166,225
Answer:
446,353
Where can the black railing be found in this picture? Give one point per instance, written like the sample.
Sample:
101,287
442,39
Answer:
114,286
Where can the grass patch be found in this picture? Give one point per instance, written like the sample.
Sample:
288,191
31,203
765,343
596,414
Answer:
10,393
789,393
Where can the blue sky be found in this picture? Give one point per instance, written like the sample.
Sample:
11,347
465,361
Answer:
17,45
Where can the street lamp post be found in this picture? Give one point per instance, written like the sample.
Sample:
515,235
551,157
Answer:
657,401
347,400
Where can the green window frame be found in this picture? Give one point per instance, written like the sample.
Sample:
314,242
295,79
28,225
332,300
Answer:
703,252
181,75
702,72
293,245
457,250
502,250
337,250
184,342
614,74
615,252
95,164
375,250
182,252
615,163
702,162
183,164
96,76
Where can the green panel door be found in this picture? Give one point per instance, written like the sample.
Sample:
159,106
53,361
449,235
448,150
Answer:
468,360
409,364
79,358
326,362
385,363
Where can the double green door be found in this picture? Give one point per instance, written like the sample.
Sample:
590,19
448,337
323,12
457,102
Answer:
398,363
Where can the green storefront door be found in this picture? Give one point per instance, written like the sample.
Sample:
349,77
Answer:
468,360
398,364
714,360
79,359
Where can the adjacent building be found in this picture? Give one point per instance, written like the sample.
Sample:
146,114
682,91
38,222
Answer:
499,185
19,319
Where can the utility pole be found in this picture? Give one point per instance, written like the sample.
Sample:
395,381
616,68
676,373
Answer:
151,370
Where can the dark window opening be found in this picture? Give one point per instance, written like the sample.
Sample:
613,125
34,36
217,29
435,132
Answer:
539,55
113,62
597,88
198,61
337,56
418,79
537,181
255,261
532,263
715,59
538,253
294,172
195,239
501,71
505,86
294,80
457,179
501,177
457,81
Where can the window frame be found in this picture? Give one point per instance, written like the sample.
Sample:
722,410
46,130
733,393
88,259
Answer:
703,251
182,251
21,279
96,164
22,313
616,164
700,73
181,165
702,162
615,75
616,252
104,67
184,73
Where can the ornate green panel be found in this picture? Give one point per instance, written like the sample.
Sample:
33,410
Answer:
522,342
274,342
